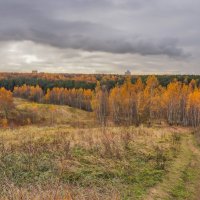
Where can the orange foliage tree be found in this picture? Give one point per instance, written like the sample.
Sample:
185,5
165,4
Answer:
178,103
33,93
100,104
126,102
6,102
78,98
193,108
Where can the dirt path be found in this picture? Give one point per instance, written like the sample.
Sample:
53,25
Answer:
196,151
163,190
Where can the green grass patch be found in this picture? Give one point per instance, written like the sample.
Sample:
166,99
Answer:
186,185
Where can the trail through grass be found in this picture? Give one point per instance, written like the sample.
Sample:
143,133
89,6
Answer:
182,179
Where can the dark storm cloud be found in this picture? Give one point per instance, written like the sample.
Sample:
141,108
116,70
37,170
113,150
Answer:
71,24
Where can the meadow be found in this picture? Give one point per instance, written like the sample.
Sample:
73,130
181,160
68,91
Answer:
59,152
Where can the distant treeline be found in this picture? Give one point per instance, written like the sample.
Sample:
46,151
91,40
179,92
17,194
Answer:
84,81
45,84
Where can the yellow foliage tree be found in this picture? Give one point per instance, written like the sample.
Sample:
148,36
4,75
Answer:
6,102
100,104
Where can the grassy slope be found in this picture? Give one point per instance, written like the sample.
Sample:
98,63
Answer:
73,158
54,114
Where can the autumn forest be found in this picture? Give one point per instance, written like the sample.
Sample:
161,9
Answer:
127,103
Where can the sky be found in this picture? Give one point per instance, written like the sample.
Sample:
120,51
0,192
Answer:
100,36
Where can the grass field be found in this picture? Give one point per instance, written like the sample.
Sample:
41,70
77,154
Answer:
66,155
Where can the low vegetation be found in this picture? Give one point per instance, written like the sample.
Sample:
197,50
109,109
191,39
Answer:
112,163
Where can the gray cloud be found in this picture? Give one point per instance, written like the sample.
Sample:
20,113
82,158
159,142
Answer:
26,56
37,21
141,29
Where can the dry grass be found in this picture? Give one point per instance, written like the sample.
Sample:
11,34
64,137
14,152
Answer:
72,158
86,161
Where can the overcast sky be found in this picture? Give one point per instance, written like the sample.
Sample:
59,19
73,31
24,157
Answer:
100,36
